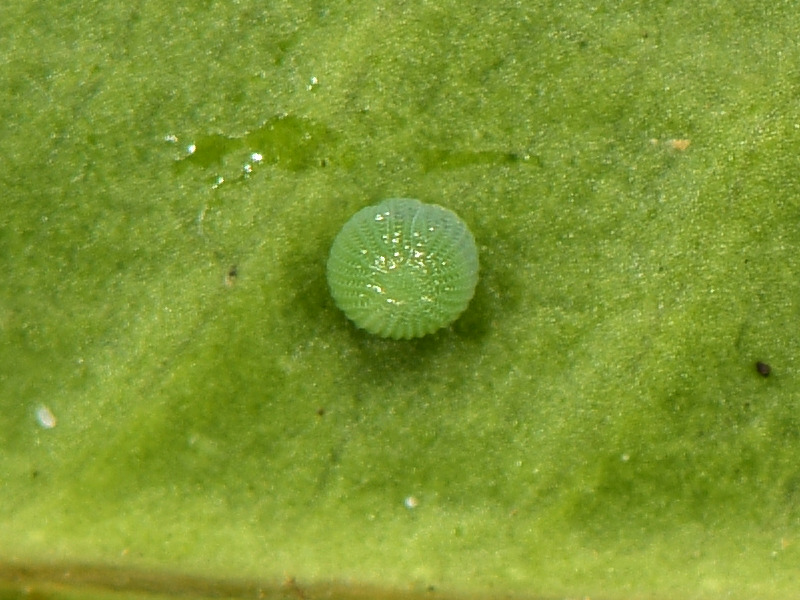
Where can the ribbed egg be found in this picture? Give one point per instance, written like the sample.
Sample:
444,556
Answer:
403,269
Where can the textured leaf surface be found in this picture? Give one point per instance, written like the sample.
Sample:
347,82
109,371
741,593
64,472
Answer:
179,394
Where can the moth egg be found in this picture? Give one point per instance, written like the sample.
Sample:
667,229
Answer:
403,269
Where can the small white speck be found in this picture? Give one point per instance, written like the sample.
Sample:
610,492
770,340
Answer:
45,417
411,502
256,157
171,138
625,457
191,148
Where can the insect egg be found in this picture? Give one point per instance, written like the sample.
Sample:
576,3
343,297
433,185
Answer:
403,269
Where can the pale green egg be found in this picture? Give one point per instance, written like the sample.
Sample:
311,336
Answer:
403,269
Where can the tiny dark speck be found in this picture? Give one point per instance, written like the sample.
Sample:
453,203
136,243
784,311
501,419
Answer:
231,275
763,369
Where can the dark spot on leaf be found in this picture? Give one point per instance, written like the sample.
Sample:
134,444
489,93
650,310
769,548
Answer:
763,369
231,275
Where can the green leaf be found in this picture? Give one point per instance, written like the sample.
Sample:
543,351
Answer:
183,409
